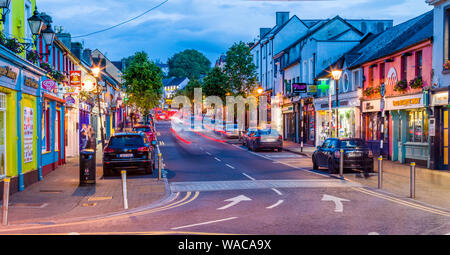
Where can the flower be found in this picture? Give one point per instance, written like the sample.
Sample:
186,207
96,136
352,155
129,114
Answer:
33,56
447,65
14,45
416,83
401,86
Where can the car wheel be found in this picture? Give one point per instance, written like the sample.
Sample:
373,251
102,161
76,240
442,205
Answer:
331,167
315,165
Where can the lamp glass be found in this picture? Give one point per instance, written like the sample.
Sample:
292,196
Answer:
336,74
49,35
36,23
4,4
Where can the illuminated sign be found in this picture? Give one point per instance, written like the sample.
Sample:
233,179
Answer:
406,102
49,85
299,87
89,83
75,78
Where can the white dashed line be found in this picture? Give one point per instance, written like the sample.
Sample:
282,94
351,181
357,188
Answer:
232,167
251,178
277,191
217,159
208,153
276,204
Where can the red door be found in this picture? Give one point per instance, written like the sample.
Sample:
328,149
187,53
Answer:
58,133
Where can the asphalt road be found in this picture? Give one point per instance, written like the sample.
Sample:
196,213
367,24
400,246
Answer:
222,188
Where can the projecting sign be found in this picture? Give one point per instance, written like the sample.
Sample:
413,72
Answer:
299,87
49,85
88,83
75,78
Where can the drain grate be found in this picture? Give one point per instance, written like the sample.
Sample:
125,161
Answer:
50,191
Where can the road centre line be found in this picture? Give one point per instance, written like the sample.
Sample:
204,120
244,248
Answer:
205,223
251,178
276,204
217,159
232,167
208,153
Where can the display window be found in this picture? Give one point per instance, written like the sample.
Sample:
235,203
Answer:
418,126
46,127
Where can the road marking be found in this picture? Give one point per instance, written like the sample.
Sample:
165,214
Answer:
248,176
217,159
234,201
339,207
208,153
232,167
277,191
276,204
373,234
205,223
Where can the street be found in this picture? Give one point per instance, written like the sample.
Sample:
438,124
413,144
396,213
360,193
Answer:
221,188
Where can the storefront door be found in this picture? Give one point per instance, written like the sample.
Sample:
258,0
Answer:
444,142
2,142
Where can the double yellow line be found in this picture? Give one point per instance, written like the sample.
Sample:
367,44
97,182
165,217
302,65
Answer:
402,202
185,200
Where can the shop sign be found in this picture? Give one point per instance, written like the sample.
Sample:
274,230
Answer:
288,109
439,99
70,90
75,78
371,106
89,83
6,71
299,87
312,89
70,101
30,82
28,134
49,85
404,102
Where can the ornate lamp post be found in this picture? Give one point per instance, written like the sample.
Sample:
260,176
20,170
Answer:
336,74
96,71
4,5
36,24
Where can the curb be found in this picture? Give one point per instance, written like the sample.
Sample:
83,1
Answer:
297,152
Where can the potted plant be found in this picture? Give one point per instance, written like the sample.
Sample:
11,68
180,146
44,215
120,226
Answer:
401,86
416,83
58,76
447,65
46,67
372,91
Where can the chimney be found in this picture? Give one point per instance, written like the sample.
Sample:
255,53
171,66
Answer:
282,17
263,31
76,49
66,39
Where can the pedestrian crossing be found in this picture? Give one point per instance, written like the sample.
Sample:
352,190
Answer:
259,184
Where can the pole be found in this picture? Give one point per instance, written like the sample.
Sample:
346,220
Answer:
6,184
159,163
341,164
413,180
337,107
100,115
124,189
301,125
380,172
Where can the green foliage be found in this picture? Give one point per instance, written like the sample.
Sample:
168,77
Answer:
189,63
216,84
143,82
240,69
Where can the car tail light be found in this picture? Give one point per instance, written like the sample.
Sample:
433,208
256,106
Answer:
280,137
337,154
108,150
143,149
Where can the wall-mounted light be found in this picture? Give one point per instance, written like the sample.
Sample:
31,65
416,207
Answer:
4,5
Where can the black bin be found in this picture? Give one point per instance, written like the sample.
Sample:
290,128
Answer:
87,167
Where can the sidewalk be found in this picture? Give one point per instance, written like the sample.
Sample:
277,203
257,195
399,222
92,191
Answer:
59,197
308,149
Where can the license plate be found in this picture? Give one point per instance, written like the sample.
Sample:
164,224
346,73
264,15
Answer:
355,154
269,140
125,155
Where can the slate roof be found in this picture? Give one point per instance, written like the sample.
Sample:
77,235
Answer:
173,81
397,38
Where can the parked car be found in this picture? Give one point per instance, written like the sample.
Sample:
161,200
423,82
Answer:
128,151
357,155
247,134
265,139
231,130
148,131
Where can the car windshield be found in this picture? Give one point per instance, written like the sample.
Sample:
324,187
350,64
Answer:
268,132
142,129
352,143
126,141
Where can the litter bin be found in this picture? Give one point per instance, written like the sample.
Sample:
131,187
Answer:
87,167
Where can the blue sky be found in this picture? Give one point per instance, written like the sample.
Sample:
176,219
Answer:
210,26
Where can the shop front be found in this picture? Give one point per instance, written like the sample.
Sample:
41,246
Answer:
375,128
438,129
410,129
309,121
288,122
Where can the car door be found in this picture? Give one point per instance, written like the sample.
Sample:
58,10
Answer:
321,153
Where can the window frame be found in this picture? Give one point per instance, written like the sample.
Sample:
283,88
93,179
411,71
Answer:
419,68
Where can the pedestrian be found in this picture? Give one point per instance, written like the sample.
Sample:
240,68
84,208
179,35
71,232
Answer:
83,137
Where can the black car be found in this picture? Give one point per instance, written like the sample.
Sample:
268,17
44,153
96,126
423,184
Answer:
246,135
265,139
357,155
128,151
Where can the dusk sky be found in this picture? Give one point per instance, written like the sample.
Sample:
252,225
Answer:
210,26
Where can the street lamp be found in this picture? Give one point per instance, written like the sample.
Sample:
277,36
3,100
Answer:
49,35
336,74
96,71
36,24
259,90
4,5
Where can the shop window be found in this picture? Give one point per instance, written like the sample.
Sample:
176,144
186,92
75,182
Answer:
419,64
418,126
46,127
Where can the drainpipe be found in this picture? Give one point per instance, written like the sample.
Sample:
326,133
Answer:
19,140
39,103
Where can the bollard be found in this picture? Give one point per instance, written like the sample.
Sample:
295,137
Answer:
124,189
413,180
341,164
6,184
380,172
159,163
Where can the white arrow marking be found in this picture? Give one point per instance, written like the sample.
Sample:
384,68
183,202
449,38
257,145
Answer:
234,201
337,201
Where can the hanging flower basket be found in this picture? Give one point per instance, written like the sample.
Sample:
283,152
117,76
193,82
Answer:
401,86
33,56
370,91
46,67
416,83
58,76
14,45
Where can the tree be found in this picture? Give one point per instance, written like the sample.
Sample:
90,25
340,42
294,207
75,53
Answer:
143,82
216,84
189,63
189,89
240,69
